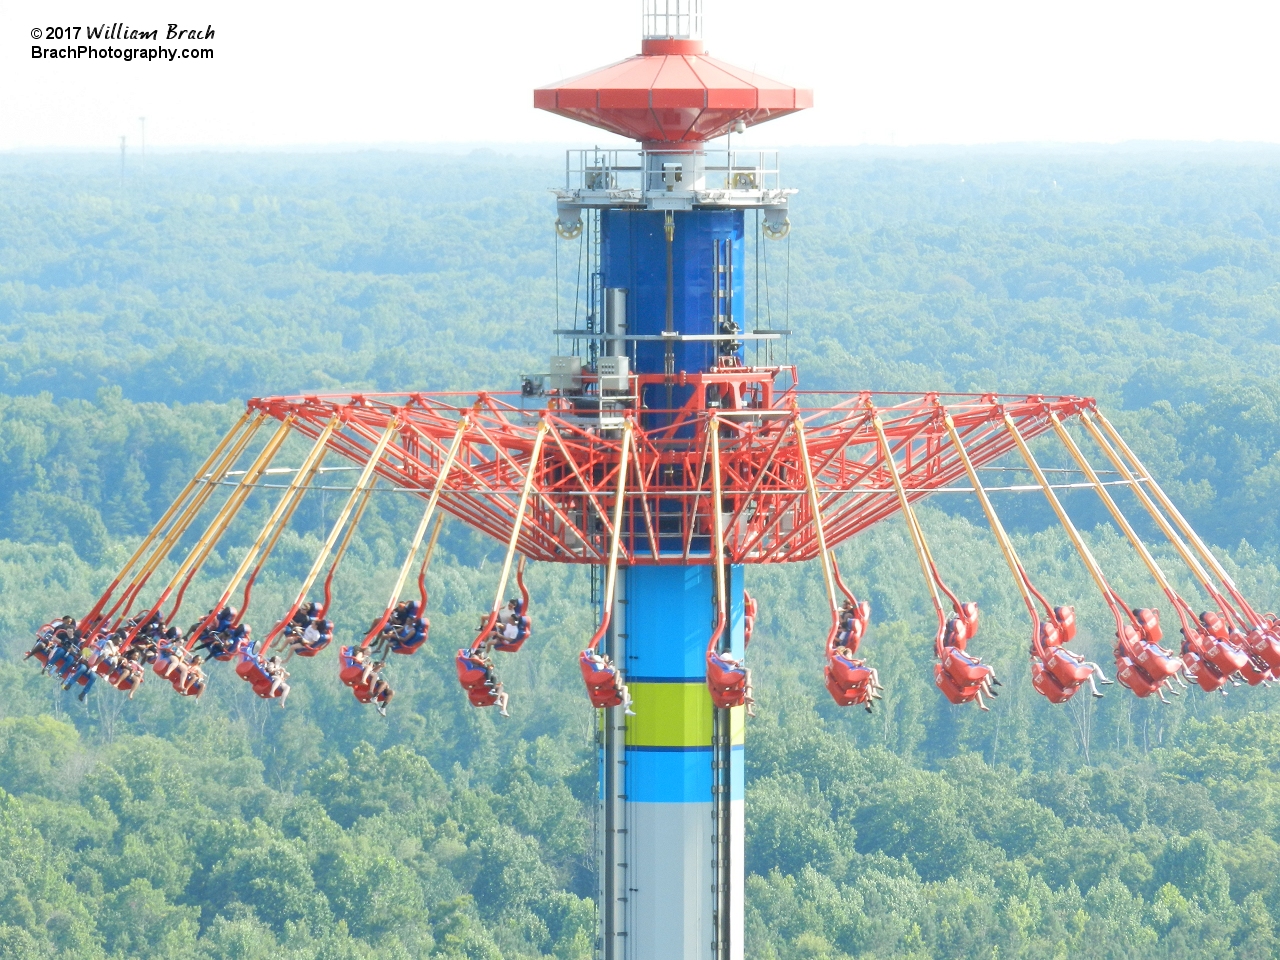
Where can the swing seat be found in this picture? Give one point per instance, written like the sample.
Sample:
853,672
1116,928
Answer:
305,650
1215,624
604,697
964,669
728,674
263,690
251,670
482,696
228,653
1132,676
846,696
1149,623
1206,676
1154,660
363,692
1065,617
750,609
601,678
1067,668
725,698
194,689
1253,674
408,648
1157,661
350,670
596,671
473,672
1049,686
1263,645
953,691
524,629
847,673
955,635
1050,634
1226,656
415,641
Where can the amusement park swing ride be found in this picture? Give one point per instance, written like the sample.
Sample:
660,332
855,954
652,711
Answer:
656,452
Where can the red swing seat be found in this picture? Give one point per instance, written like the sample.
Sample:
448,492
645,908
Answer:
848,673
1149,623
1263,645
846,696
350,670
1215,624
1132,676
524,629
1226,656
163,661
964,669
1065,617
482,696
1049,686
416,640
1255,674
1154,660
750,609
1206,676
727,681
1066,667
953,691
601,678
473,672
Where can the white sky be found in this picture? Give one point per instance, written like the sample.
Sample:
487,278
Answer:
884,71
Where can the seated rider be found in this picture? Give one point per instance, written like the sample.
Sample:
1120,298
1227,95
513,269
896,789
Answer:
274,668
191,676
380,691
80,667
731,664
601,664
60,654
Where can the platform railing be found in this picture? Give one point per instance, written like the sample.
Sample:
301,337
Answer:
646,172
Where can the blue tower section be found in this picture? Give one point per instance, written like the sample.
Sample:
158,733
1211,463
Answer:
705,269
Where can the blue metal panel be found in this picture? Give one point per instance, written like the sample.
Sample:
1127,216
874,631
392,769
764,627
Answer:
668,622
634,255
668,775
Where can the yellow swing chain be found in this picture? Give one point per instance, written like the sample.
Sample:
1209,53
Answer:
615,542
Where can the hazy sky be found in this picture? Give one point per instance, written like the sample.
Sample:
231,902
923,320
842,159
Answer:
892,71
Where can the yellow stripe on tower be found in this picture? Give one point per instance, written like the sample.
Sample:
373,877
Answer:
676,715
669,715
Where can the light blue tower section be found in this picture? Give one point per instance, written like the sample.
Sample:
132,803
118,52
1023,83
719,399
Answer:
671,813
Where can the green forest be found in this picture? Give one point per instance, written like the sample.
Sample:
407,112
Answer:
138,313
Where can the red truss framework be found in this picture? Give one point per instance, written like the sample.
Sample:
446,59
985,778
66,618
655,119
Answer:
667,501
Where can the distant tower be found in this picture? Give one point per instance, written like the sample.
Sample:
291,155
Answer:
669,222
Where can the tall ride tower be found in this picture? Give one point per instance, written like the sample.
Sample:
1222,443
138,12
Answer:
656,453
668,222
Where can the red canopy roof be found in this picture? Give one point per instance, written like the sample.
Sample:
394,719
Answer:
671,93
